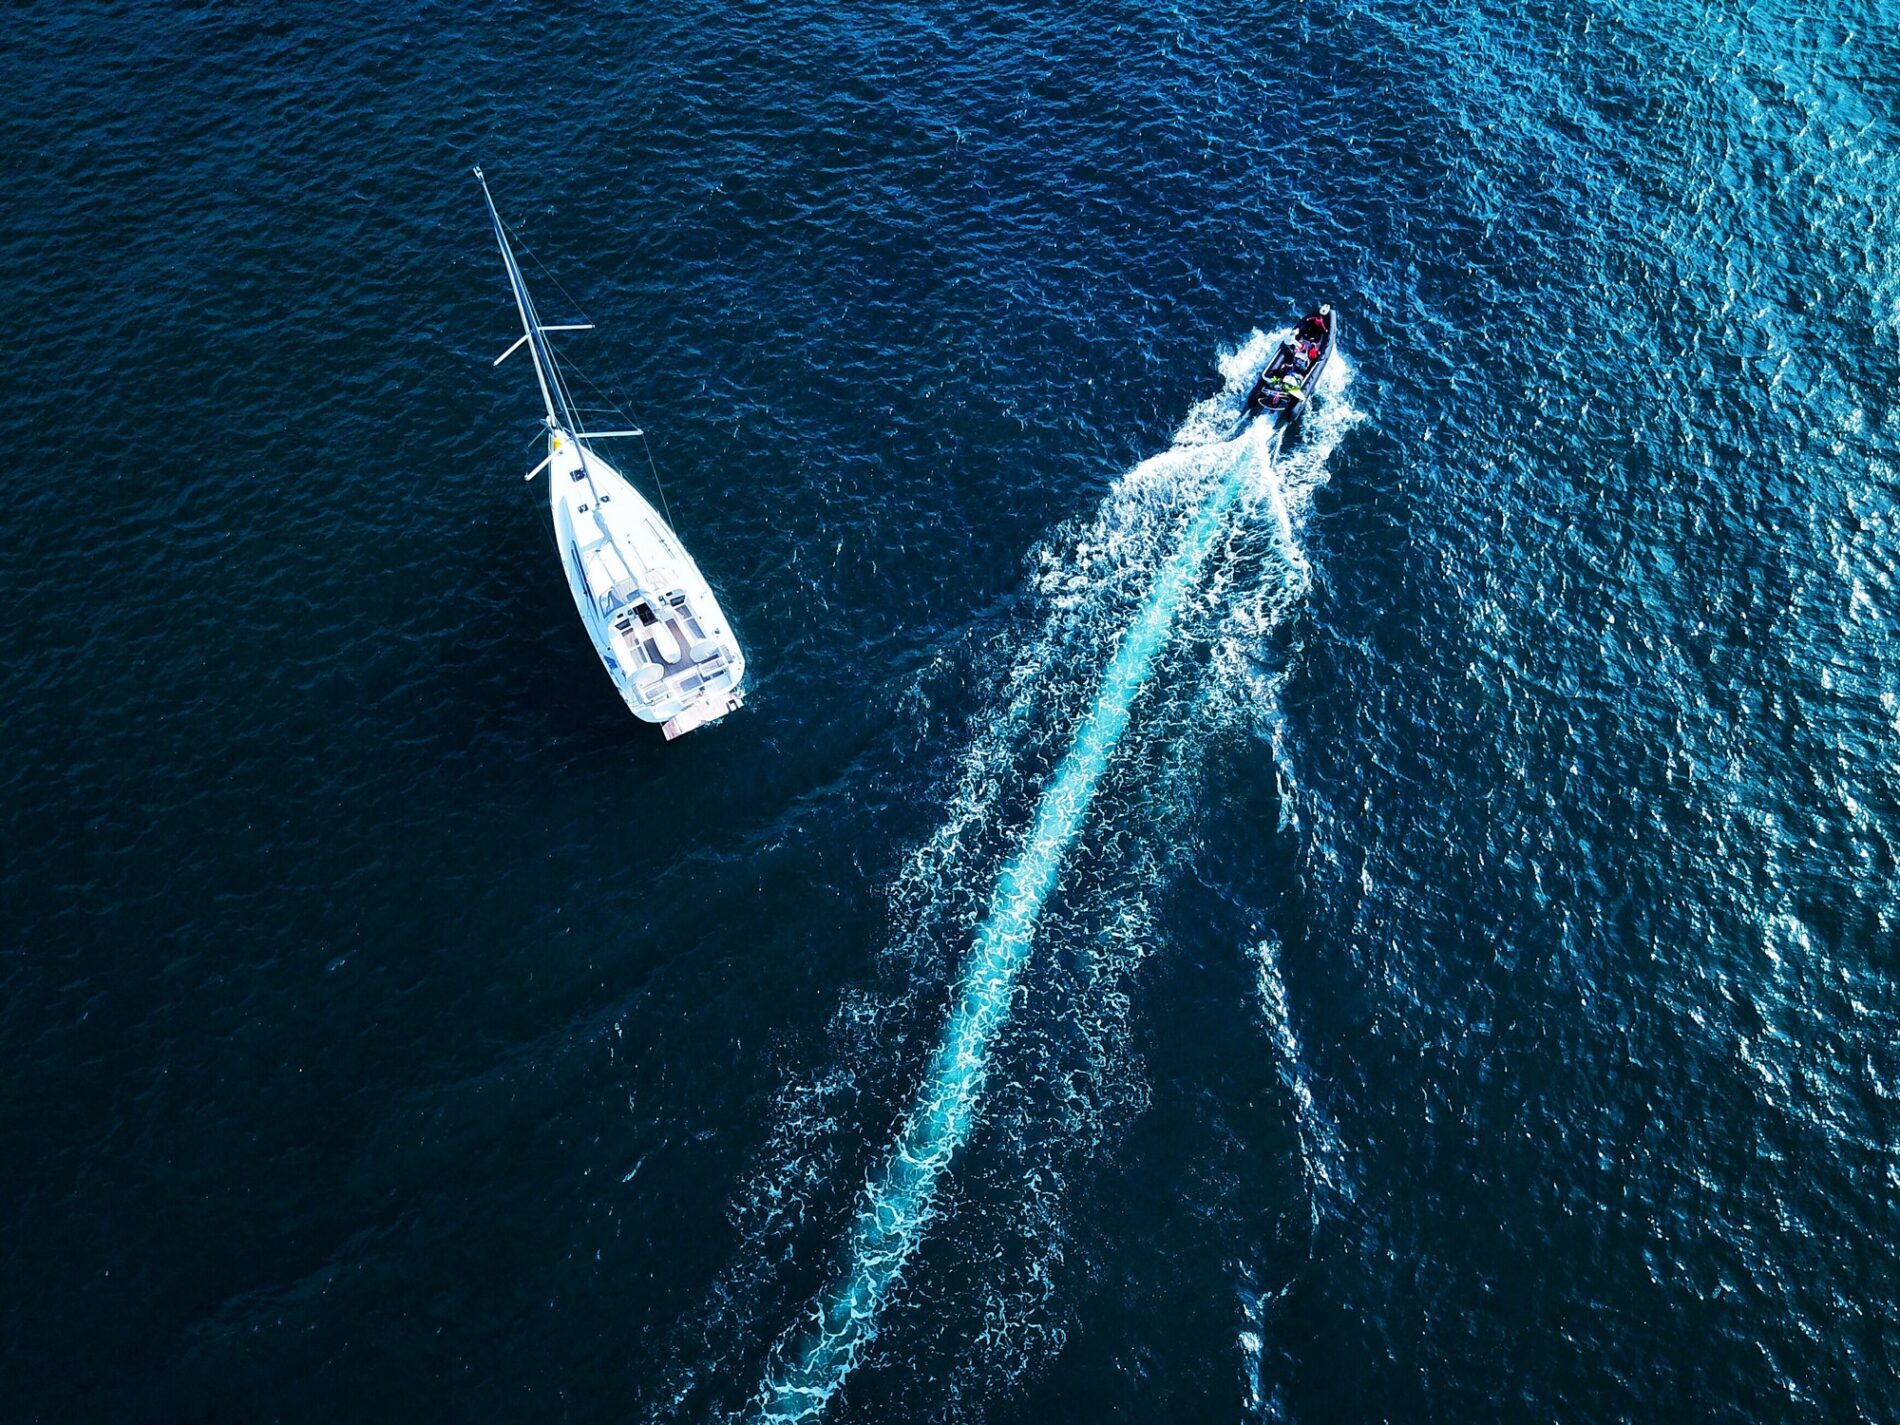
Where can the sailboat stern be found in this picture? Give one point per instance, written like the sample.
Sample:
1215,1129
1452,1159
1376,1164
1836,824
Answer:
676,662
699,715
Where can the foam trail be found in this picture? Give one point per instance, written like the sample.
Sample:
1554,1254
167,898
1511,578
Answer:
900,1201
1283,517
1320,1150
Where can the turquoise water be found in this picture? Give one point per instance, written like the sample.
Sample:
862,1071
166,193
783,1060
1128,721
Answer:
1403,932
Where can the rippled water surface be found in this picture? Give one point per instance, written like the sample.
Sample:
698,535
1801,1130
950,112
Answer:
1464,986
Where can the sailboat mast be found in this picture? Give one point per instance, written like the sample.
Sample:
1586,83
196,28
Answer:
560,413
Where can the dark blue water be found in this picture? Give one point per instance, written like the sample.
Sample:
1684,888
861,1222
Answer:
1462,980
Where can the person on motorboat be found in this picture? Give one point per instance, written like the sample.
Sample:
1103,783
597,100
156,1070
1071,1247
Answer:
1312,330
1287,387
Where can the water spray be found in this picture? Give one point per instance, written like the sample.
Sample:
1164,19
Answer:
900,1200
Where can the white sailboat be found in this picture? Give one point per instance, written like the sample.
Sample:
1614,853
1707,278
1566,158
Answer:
654,621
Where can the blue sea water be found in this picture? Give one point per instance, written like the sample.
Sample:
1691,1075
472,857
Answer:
1461,981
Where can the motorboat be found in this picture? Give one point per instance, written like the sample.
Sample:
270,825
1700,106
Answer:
1285,388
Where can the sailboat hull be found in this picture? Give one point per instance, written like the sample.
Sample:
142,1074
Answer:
651,615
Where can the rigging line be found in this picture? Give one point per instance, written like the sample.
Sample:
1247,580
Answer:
648,448
612,406
548,273
538,336
616,407
628,416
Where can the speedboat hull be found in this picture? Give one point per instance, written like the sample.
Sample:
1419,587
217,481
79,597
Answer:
1285,387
